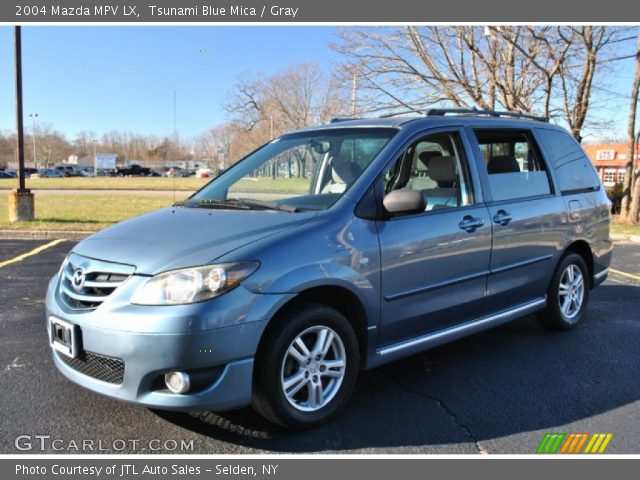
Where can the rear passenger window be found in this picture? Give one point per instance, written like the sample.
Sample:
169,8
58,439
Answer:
574,171
434,165
515,167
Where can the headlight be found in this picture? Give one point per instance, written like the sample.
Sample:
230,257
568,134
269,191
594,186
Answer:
192,285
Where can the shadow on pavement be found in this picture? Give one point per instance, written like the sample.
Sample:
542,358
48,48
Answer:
517,378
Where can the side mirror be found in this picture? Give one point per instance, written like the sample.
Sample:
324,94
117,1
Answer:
404,201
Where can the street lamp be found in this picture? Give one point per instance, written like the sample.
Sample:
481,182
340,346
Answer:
33,119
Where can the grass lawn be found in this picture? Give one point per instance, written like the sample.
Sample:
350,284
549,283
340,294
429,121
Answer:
625,229
77,212
95,210
293,185
90,212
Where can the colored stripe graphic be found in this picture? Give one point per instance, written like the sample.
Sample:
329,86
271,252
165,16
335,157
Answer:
580,443
598,443
551,442
572,443
577,440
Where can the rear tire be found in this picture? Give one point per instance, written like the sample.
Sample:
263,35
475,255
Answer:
568,294
306,367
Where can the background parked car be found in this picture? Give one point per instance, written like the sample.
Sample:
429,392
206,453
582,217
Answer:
133,170
66,170
5,174
48,173
204,173
178,172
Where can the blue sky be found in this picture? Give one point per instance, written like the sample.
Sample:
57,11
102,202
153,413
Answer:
103,78
123,78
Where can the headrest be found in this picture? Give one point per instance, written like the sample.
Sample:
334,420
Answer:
442,169
502,164
345,172
425,157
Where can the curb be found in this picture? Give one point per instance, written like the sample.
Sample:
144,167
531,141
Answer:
625,237
43,235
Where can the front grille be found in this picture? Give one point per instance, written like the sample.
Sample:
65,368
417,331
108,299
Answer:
100,367
86,282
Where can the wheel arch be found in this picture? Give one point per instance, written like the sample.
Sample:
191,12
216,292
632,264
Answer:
334,296
582,248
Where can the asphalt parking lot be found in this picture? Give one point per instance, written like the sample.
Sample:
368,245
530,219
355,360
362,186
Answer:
496,392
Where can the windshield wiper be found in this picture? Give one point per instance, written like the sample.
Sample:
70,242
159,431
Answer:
265,205
236,203
210,203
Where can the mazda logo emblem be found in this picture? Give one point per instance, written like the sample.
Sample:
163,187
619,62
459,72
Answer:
78,279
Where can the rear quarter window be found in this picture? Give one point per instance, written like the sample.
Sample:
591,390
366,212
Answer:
574,171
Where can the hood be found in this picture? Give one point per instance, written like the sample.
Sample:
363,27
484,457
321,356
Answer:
179,237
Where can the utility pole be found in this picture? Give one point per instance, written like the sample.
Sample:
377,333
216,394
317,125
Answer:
21,200
175,149
35,160
95,158
175,131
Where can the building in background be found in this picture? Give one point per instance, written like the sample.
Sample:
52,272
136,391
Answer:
610,161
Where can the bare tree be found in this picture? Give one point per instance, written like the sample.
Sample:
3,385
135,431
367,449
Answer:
298,97
219,146
416,67
542,70
631,189
588,51
546,48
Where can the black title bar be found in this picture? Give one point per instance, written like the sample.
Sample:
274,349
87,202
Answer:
329,11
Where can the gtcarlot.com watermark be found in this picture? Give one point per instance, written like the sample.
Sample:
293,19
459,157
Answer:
47,443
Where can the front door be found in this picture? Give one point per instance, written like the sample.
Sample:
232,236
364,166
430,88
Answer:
434,264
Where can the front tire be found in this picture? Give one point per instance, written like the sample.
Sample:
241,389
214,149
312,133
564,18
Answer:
568,294
306,367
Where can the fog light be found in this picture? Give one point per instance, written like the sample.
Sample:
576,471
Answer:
177,382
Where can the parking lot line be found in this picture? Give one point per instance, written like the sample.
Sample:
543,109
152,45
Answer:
625,274
35,251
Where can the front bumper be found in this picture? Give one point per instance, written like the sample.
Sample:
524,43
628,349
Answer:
194,337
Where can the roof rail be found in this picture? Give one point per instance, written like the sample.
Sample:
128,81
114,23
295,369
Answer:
343,119
434,112
400,113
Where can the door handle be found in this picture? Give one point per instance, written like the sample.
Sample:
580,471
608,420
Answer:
502,218
470,223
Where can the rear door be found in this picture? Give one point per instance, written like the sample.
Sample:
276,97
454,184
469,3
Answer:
434,264
526,215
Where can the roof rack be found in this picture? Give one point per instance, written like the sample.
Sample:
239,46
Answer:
343,119
435,112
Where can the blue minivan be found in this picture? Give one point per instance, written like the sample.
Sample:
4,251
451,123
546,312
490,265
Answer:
329,250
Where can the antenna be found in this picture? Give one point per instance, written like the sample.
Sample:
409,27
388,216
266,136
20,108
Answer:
175,150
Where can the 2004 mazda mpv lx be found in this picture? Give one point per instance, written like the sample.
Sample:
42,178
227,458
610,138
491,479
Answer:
329,250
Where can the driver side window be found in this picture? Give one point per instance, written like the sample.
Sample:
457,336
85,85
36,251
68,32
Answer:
436,167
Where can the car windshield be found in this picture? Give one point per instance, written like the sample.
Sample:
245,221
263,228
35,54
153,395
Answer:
296,172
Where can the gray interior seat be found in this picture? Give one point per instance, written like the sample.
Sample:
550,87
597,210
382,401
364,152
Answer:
442,170
343,174
502,164
421,179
